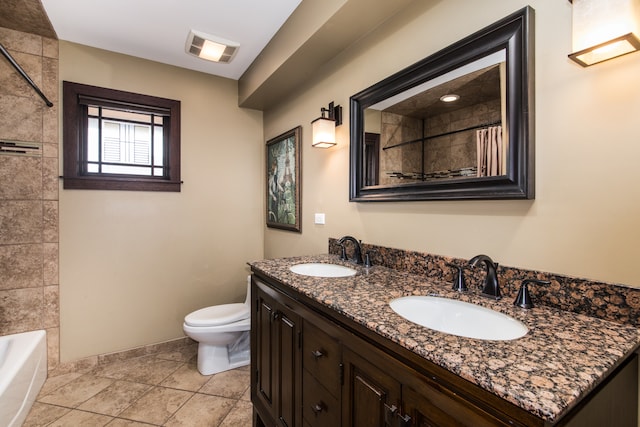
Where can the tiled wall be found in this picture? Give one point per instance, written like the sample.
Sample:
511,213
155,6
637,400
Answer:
29,191
402,162
457,150
396,130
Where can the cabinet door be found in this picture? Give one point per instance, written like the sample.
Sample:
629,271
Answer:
264,350
371,396
276,366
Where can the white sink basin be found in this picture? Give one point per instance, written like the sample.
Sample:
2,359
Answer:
322,270
459,318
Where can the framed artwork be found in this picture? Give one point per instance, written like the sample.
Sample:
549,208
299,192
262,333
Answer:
283,181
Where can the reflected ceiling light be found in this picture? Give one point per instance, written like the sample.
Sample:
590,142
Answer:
604,29
210,48
449,97
323,128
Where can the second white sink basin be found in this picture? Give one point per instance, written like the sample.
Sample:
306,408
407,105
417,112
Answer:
459,318
322,270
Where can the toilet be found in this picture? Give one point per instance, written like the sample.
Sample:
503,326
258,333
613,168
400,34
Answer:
222,333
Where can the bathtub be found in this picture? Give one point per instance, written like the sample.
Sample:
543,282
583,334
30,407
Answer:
23,370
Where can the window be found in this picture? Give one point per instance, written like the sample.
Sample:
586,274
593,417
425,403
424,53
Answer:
115,140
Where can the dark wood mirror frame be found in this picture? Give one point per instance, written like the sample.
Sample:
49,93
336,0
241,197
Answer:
515,34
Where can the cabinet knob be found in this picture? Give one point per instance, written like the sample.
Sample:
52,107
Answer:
317,354
317,408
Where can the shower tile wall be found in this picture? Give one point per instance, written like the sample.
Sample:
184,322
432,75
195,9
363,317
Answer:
396,129
29,191
458,150
451,152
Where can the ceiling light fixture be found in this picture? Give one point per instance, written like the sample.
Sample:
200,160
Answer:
323,129
604,29
449,97
210,48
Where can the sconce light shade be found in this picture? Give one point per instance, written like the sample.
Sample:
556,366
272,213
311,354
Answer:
604,29
324,132
323,128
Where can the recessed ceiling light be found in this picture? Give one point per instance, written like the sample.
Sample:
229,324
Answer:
449,98
210,48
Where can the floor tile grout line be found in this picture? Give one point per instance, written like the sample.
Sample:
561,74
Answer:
55,389
114,417
84,401
205,393
173,413
114,374
138,421
80,410
229,413
151,387
126,419
136,381
86,410
64,407
172,372
176,411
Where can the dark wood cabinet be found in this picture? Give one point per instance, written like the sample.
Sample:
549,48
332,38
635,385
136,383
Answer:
312,367
276,342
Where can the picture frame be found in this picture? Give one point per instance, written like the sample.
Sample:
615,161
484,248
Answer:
283,184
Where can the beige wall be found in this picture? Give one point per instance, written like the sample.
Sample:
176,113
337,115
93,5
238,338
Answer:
133,264
584,220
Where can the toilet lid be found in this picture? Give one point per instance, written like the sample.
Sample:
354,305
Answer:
218,315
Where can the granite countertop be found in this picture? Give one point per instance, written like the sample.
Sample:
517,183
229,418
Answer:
560,360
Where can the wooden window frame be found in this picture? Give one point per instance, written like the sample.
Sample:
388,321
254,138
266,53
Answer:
75,125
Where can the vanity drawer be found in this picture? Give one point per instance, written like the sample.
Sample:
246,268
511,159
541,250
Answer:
321,357
319,407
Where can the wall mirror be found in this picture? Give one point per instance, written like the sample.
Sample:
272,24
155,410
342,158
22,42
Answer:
455,125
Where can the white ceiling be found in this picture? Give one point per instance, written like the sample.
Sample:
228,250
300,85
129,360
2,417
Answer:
158,29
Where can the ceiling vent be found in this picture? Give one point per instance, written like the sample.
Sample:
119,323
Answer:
210,48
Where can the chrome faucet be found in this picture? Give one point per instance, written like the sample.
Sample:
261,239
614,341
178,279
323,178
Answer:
357,252
491,287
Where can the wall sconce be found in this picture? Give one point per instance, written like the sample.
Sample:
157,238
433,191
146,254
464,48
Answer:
604,29
324,128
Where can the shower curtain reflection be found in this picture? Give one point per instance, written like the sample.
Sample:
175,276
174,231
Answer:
490,151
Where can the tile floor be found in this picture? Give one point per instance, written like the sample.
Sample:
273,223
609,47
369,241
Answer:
164,389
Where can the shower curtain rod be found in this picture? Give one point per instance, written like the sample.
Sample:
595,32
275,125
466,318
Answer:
24,75
413,141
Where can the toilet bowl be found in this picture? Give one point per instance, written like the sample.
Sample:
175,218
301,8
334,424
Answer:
222,333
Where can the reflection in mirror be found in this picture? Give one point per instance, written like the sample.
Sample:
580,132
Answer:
407,143
448,128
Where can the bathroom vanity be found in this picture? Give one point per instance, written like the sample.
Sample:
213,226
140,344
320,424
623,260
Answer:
330,351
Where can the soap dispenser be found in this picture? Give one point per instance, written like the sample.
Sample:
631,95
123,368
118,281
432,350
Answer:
524,297
458,279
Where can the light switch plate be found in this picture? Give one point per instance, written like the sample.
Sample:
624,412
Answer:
319,218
